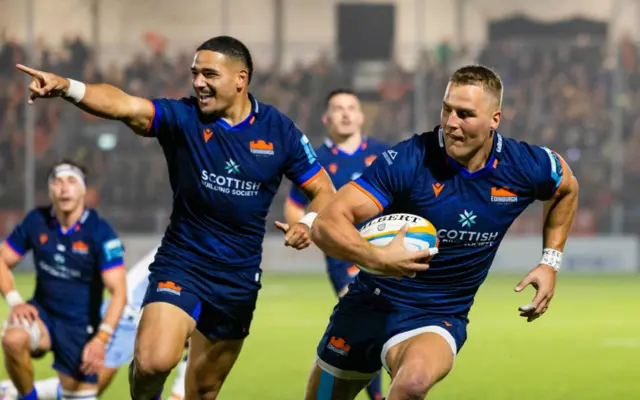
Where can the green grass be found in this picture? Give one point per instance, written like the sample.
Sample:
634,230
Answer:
586,347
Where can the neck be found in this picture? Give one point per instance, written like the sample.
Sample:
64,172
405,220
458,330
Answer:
68,219
238,112
348,144
479,159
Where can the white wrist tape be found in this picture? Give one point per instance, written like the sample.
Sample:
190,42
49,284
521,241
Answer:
76,91
13,298
552,258
106,328
308,219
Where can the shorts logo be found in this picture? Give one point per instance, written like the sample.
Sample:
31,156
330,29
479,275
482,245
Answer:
261,148
80,247
339,346
169,287
333,168
43,238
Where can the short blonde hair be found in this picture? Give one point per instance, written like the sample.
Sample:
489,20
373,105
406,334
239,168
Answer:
482,76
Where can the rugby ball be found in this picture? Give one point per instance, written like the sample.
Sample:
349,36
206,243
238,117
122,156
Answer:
380,231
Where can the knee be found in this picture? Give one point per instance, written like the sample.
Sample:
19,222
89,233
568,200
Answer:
153,363
414,384
16,341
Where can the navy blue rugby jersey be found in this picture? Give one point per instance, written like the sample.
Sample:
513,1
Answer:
69,264
471,211
342,166
224,179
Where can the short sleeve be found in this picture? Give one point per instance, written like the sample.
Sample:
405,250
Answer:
390,174
165,118
302,165
110,248
19,240
297,196
547,170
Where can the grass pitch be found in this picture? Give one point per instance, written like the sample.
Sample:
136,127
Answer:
587,346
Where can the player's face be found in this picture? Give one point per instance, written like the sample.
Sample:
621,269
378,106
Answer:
217,80
67,193
344,116
468,117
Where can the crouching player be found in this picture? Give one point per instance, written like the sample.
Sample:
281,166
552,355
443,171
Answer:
471,183
120,350
76,255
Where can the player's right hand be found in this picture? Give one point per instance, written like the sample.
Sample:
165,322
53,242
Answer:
44,84
24,312
396,260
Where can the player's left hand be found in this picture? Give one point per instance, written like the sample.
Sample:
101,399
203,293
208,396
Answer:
297,236
93,356
543,279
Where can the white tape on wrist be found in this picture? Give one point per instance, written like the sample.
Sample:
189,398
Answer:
13,298
106,328
76,91
308,219
552,258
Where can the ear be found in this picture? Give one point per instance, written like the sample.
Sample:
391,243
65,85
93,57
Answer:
243,79
325,119
495,119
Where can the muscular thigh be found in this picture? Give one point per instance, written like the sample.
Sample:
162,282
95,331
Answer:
427,353
163,330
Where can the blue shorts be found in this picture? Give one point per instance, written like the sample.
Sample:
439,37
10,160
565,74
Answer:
341,273
365,325
224,311
120,350
67,344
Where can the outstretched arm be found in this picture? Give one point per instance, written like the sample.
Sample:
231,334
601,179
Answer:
102,100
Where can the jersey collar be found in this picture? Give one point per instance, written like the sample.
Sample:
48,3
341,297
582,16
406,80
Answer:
251,118
336,150
75,227
491,164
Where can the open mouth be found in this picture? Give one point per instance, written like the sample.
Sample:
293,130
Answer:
205,98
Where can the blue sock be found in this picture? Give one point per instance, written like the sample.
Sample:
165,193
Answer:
374,389
33,395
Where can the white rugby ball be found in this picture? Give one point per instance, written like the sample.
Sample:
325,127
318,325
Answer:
421,235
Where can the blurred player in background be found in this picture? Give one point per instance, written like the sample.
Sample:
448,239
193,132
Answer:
120,350
226,154
76,255
344,154
471,183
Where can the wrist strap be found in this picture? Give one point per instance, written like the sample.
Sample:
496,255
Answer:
13,298
308,219
76,91
552,258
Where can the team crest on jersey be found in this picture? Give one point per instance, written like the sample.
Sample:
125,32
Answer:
261,148
503,195
80,247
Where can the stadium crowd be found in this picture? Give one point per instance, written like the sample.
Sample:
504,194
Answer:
557,94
